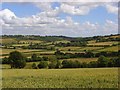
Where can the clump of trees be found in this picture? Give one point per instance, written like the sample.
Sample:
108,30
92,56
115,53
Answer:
101,62
16,60
43,64
86,54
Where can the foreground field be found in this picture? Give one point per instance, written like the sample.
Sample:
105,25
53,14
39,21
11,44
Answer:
60,78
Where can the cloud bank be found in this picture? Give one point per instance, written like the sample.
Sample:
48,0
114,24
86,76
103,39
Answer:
47,22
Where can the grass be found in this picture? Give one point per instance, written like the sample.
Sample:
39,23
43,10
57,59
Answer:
7,51
19,45
8,40
113,48
104,43
60,78
67,48
30,41
77,49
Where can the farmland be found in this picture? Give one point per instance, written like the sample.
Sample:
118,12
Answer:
63,78
78,60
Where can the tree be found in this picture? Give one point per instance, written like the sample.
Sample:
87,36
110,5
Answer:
59,64
93,64
117,61
102,61
55,64
34,57
52,64
65,64
5,60
17,60
45,58
34,66
89,54
43,64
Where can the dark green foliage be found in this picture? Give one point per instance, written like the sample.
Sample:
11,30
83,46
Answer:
52,64
5,60
89,54
43,64
102,61
93,64
58,52
45,58
55,64
34,66
34,57
17,60
71,64
59,64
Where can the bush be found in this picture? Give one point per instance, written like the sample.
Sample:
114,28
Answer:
70,64
55,64
43,64
102,61
34,66
52,64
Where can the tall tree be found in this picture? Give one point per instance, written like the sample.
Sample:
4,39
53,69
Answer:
17,60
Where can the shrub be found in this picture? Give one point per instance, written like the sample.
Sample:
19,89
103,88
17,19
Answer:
43,64
34,66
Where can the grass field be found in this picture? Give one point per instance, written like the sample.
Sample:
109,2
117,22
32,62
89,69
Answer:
30,41
60,78
8,40
79,49
113,48
104,43
7,51
26,52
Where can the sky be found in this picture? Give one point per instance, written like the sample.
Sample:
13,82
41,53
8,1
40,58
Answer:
73,19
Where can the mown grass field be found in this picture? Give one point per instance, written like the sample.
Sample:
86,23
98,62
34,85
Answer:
79,48
30,41
8,40
104,43
113,48
60,78
26,52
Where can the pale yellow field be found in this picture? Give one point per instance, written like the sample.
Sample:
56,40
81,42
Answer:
7,51
103,43
30,41
60,78
113,48
8,40
71,48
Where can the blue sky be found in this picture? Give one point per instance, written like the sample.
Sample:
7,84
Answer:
98,14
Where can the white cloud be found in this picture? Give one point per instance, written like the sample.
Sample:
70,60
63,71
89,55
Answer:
83,8
47,22
112,9
45,6
74,10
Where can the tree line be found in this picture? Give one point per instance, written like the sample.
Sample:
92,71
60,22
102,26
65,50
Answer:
18,60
